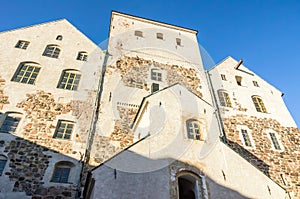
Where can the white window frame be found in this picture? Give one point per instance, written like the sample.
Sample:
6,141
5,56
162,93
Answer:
249,132
268,131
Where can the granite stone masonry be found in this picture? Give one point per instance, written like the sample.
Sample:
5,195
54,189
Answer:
3,97
282,166
134,72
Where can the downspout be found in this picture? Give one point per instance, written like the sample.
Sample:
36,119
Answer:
217,109
92,128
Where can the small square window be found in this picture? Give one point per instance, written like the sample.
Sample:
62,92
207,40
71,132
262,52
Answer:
156,75
138,33
22,44
82,56
159,36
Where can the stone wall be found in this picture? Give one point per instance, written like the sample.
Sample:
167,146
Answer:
135,72
3,97
281,166
26,153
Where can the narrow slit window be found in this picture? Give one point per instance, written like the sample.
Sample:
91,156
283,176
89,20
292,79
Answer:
255,83
275,141
223,77
246,138
178,41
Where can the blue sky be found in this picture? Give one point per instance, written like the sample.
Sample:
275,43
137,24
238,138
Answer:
264,33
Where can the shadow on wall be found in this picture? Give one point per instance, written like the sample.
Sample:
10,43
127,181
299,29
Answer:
255,161
29,169
121,177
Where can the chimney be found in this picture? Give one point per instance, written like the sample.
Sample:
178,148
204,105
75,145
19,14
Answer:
238,64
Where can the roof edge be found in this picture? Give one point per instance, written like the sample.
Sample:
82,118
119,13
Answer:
155,22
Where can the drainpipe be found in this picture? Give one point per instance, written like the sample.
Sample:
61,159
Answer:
86,156
217,110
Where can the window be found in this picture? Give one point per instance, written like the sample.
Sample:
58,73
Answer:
194,129
3,161
159,36
61,172
52,51
10,123
138,33
274,141
255,83
178,41
224,98
69,80
59,37
82,56
64,130
22,44
26,73
188,186
246,138
238,80
223,77
259,105
156,75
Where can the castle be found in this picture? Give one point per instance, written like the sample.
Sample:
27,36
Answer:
142,119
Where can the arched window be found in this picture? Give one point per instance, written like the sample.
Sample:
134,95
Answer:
10,123
194,129
138,33
62,171
64,129
224,98
59,37
69,80
52,51
82,56
188,186
259,104
3,161
27,73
